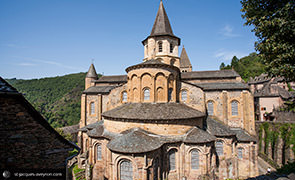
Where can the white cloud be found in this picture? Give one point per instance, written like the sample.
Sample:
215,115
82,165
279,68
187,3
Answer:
43,61
26,64
11,45
227,32
225,55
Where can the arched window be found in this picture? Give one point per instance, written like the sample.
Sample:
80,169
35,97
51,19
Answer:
126,170
124,96
195,159
160,46
170,94
210,108
172,161
171,48
184,95
92,108
98,152
240,153
234,108
219,148
146,94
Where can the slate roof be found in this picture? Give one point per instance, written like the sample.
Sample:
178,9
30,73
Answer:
243,136
209,74
8,91
197,135
162,25
91,72
98,90
70,129
113,79
6,88
223,86
184,60
217,128
135,141
264,78
272,90
153,111
151,63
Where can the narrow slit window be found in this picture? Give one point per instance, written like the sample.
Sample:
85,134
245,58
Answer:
234,108
171,48
146,94
210,108
170,94
126,170
98,152
160,47
92,108
219,148
172,161
240,153
195,159
124,96
183,95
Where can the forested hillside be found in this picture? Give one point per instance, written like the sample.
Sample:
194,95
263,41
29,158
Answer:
248,66
56,98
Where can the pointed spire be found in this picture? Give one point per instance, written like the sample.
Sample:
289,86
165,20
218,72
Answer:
161,25
184,60
91,72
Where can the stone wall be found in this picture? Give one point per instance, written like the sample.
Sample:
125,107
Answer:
276,141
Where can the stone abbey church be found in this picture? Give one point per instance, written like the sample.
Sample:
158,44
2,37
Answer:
164,121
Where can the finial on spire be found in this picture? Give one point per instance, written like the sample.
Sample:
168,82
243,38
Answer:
91,72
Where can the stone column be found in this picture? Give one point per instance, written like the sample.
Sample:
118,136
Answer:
224,106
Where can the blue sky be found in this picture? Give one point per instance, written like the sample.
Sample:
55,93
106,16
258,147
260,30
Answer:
56,37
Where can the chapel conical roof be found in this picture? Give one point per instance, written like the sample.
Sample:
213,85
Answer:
161,25
91,72
184,60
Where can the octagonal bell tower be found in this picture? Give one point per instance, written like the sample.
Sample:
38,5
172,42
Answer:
162,44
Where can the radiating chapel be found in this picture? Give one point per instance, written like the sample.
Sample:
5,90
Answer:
164,121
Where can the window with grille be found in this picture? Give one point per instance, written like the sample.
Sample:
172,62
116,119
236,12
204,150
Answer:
183,95
234,108
126,170
195,159
160,46
98,152
172,165
219,148
92,108
170,94
146,94
124,96
210,108
171,48
240,153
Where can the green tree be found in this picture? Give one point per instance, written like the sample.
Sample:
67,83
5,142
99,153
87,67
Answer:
222,65
274,25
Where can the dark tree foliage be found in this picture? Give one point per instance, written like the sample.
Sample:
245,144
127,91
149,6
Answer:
248,66
57,98
274,25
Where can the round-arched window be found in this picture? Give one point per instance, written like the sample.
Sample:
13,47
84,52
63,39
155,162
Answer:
146,94
184,95
126,170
